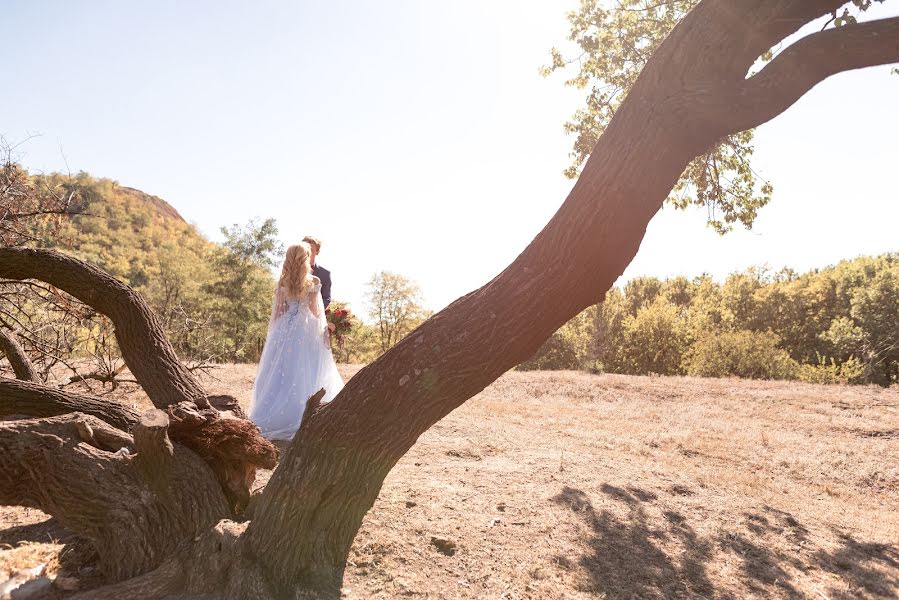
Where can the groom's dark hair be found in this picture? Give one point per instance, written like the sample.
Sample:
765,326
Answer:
313,241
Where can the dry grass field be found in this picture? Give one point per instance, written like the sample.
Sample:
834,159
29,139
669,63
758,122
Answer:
568,485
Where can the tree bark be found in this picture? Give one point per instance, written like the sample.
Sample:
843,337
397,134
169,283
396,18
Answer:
21,364
232,447
37,400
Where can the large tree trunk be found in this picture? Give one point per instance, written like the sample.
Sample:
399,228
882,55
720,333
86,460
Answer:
692,92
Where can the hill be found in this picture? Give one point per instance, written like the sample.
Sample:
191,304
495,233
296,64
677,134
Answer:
125,231
212,299
634,487
156,203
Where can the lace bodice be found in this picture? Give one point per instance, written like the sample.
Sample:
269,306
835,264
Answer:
282,304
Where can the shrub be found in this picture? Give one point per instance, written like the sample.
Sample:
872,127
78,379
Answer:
654,340
568,348
852,370
741,353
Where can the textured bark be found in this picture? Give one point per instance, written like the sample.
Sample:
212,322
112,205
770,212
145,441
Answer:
214,567
73,467
803,65
155,452
37,400
232,447
21,364
138,332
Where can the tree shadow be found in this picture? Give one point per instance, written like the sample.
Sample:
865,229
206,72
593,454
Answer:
625,560
77,556
866,566
45,532
655,553
869,567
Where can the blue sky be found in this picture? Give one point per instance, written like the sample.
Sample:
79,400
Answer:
411,136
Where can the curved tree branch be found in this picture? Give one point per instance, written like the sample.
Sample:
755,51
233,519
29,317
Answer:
806,63
37,400
21,364
143,343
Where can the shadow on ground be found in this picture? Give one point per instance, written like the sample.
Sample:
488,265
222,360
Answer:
77,557
655,553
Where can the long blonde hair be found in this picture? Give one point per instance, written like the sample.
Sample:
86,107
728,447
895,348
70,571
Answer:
296,274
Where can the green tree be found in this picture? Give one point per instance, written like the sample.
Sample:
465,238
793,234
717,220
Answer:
395,306
612,42
609,332
870,332
831,322
571,347
655,339
242,291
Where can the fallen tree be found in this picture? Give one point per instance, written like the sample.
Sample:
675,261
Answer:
692,92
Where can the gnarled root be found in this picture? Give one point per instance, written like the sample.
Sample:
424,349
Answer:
136,509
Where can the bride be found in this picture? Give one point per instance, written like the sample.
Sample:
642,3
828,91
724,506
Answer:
296,361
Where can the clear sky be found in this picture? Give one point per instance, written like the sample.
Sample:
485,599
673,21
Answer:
413,136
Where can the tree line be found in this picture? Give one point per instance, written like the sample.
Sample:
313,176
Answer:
839,324
834,325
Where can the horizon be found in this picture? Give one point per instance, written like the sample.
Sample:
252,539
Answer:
226,132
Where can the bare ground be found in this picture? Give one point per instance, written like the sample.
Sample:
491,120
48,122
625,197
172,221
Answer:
568,485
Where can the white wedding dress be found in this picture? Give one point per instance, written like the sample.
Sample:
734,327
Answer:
296,362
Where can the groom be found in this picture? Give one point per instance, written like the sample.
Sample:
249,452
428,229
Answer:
322,273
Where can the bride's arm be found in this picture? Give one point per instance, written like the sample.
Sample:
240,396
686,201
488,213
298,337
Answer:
313,307
315,304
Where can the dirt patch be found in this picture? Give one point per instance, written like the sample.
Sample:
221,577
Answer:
567,485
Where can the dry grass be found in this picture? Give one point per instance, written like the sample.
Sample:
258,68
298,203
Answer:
567,485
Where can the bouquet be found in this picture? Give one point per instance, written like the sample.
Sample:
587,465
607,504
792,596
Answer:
340,319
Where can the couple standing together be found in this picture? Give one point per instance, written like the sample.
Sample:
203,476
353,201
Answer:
296,361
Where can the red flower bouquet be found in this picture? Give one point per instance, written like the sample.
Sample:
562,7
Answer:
340,319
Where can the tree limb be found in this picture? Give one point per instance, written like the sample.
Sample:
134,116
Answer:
140,336
21,364
154,451
65,467
38,400
806,63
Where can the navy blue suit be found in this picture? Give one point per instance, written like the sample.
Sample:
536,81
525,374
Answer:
325,276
